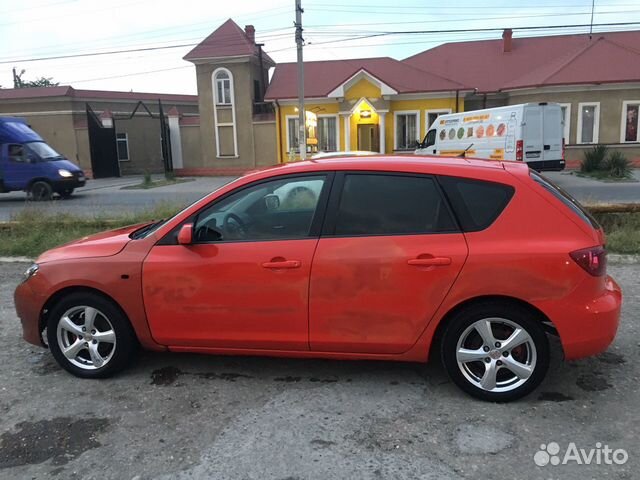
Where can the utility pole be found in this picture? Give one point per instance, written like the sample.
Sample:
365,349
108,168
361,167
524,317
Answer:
302,141
16,83
593,7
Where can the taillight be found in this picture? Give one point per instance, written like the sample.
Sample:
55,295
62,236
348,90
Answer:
593,260
519,150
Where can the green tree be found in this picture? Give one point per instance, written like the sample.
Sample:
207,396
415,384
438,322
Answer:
18,82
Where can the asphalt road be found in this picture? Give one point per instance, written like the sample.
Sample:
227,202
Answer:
191,417
106,196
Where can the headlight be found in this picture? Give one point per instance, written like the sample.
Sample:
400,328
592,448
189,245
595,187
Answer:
31,271
65,173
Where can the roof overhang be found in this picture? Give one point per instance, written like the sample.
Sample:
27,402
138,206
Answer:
339,91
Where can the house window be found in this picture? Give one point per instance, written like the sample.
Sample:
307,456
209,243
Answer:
630,122
432,115
407,127
223,88
292,134
588,122
328,133
122,145
224,114
566,121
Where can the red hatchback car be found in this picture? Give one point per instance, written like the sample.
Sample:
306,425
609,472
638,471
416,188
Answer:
385,258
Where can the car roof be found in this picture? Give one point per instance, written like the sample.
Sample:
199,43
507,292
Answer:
383,162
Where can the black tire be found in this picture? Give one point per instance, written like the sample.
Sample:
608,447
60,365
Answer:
469,375
109,317
40,191
66,193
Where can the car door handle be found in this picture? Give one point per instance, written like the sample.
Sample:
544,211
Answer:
283,264
429,262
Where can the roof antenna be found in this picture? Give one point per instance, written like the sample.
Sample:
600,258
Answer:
593,4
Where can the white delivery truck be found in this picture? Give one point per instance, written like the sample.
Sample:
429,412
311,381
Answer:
531,132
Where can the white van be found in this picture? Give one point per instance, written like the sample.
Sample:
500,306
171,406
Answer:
531,132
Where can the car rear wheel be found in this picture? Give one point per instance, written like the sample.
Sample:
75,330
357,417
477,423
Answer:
496,352
89,336
40,191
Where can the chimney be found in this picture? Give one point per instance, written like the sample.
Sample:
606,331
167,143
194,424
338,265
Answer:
507,33
250,31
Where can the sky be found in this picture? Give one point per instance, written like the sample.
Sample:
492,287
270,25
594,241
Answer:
333,29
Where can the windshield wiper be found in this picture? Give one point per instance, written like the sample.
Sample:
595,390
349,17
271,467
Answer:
143,230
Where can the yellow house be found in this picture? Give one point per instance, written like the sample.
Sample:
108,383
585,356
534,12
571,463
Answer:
373,104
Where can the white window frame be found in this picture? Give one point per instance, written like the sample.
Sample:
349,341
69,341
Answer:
567,124
623,121
231,105
328,115
441,111
596,123
126,140
395,124
295,147
216,81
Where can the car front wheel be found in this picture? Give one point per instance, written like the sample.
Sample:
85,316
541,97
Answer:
496,352
89,336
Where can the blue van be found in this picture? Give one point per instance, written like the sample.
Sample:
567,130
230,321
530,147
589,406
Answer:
28,163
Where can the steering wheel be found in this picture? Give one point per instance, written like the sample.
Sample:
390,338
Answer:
234,226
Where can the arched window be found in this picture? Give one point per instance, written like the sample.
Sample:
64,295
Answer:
223,88
224,113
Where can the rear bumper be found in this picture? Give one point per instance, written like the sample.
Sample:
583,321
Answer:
588,328
28,307
547,165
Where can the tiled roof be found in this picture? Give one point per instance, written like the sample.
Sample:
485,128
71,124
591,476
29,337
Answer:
537,61
322,77
67,91
228,40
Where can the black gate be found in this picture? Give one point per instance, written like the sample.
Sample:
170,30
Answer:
102,146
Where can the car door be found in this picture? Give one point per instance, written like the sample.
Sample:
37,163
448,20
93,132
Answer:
244,281
389,253
17,170
532,134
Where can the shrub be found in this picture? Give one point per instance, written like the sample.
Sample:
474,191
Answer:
169,176
594,159
147,179
617,165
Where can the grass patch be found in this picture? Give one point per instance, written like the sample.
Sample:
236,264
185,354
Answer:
604,176
622,230
31,232
147,184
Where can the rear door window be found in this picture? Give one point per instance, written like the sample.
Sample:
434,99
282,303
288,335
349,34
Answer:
476,203
391,204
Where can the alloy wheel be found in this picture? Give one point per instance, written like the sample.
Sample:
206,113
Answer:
86,337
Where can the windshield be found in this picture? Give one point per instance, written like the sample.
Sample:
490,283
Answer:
43,151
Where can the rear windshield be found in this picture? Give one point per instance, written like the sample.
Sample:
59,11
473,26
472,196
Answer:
565,198
476,203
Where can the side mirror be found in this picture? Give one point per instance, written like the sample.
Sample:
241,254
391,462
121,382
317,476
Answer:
272,201
185,235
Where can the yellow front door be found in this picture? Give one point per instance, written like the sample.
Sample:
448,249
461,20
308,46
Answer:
368,138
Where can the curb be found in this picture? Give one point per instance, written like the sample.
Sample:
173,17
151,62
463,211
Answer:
622,259
16,260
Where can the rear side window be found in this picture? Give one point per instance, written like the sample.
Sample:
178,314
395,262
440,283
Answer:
565,198
374,204
476,203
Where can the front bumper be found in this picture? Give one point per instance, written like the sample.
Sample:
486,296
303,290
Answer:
29,307
589,328
69,183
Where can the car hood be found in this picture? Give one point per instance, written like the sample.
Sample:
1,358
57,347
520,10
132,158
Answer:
104,244
66,164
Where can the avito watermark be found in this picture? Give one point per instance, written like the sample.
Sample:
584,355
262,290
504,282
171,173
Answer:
550,454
